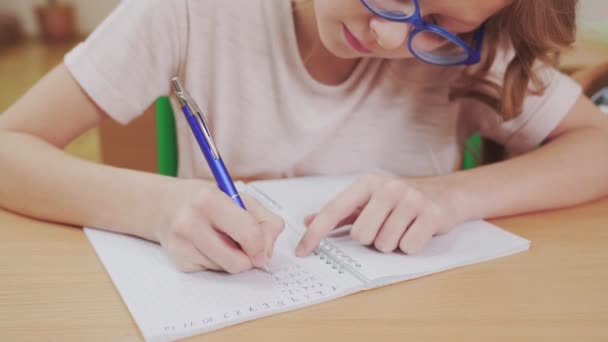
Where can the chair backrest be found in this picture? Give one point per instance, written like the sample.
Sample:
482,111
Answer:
166,138
593,78
471,156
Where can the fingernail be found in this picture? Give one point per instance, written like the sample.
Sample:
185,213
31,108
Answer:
270,251
260,259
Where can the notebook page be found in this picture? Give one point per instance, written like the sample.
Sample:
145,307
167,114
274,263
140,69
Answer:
468,243
167,304
300,197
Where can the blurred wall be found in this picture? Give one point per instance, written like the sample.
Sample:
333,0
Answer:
593,20
594,10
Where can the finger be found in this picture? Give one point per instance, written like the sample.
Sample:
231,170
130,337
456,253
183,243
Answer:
198,260
188,267
395,226
237,223
187,258
379,207
221,250
308,219
272,225
338,209
419,233
349,220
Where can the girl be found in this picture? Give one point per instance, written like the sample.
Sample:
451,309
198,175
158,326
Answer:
306,88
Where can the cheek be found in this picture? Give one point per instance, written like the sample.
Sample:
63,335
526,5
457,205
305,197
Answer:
337,7
323,16
428,42
329,27
324,10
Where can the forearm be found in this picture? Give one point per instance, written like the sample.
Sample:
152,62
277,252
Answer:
564,172
39,180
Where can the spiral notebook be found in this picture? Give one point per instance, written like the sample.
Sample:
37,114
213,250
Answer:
168,305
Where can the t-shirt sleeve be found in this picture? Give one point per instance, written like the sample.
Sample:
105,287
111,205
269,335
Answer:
540,115
129,60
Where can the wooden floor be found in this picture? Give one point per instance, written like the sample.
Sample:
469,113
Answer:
21,66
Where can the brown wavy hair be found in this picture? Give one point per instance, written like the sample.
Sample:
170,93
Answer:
537,30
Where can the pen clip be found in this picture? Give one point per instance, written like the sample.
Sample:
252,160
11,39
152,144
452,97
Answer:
185,99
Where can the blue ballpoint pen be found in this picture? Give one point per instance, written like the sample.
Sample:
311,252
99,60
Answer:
198,124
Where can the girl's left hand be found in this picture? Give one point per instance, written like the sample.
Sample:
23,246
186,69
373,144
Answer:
387,212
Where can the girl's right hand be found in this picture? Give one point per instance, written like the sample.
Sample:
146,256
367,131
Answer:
210,232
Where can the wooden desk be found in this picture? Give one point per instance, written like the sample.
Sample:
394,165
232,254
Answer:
54,288
585,52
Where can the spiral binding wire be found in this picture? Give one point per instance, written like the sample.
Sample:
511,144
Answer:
327,251
335,257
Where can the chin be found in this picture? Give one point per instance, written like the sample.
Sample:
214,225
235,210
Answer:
344,53
338,48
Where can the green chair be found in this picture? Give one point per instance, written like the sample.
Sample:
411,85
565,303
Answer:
471,156
166,141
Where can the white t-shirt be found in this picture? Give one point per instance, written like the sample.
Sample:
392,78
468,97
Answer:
239,59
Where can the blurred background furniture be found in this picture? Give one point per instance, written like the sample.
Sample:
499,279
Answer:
56,20
601,99
11,28
594,81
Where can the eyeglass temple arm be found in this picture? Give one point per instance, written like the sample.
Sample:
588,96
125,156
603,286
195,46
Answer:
478,37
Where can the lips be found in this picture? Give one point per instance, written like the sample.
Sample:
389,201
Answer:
354,42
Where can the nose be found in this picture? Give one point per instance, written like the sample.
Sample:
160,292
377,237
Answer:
390,35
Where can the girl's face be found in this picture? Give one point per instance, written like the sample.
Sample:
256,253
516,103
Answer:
349,30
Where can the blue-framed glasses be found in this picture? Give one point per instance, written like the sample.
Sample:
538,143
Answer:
429,42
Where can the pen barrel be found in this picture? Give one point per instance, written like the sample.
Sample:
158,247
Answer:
224,181
220,173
